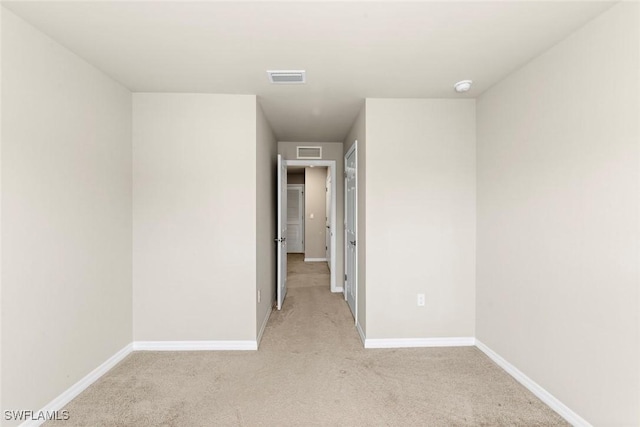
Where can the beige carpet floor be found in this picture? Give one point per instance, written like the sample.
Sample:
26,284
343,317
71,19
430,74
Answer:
310,370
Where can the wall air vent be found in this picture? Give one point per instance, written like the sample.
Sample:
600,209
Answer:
309,153
287,77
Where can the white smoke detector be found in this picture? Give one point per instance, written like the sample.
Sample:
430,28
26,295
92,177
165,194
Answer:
463,86
287,77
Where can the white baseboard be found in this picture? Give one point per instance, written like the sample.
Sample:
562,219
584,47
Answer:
264,325
361,333
72,392
542,394
194,345
419,342
315,260
338,290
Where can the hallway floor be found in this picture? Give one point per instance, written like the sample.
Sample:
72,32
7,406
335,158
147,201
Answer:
311,370
302,274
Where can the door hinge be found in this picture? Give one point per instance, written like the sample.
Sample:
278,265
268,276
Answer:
345,277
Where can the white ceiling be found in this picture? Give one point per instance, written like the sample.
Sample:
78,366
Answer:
350,50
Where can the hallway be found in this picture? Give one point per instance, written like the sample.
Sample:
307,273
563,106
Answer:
302,274
311,315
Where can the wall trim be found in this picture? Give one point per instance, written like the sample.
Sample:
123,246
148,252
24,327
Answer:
264,325
339,290
72,392
315,260
554,403
419,342
195,345
361,333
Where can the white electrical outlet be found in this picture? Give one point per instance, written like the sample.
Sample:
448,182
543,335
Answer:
420,300
259,295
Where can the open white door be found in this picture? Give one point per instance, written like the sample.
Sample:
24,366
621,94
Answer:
281,240
350,222
327,219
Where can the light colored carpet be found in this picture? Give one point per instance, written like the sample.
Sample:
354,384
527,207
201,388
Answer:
302,274
311,370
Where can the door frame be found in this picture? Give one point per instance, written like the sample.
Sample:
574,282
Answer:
353,149
303,219
331,164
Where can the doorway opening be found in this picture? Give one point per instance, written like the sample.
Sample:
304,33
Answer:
309,212
307,219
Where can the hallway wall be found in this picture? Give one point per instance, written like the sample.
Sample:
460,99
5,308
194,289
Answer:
358,133
194,238
295,178
266,250
315,203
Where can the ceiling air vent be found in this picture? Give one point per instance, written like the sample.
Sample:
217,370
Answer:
309,153
287,76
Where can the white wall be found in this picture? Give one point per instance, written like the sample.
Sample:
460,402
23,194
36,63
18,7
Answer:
420,218
358,133
558,209
266,170
194,238
66,217
315,198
